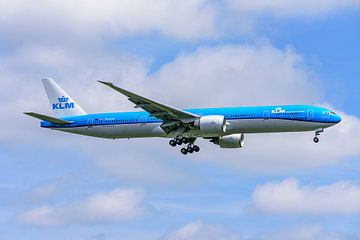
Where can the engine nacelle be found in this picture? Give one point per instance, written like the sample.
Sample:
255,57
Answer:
231,141
211,126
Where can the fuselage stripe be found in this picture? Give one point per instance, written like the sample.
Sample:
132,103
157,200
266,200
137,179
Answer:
74,125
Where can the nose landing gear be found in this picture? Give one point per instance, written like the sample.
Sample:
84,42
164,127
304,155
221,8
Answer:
317,133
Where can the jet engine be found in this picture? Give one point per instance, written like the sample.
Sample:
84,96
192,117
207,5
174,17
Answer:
230,141
211,126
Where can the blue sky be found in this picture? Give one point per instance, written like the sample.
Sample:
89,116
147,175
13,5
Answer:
188,54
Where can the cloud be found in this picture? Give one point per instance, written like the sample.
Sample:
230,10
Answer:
68,20
117,205
308,232
200,231
140,165
287,197
297,8
47,191
236,75
33,56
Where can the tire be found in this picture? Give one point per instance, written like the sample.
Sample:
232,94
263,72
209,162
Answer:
184,151
178,141
316,139
196,148
190,149
172,143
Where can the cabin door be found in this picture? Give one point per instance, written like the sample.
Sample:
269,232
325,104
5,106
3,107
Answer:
90,122
143,120
310,114
266,116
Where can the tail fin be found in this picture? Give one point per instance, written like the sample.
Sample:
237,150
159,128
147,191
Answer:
60,102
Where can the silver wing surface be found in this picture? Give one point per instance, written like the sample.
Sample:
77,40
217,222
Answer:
172,117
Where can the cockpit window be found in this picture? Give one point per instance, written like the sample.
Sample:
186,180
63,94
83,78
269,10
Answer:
330,113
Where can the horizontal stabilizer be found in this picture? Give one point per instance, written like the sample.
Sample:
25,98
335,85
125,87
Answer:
48,118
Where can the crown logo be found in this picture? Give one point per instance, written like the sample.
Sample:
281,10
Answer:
63,99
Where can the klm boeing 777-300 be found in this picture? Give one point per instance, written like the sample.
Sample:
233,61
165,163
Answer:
222,126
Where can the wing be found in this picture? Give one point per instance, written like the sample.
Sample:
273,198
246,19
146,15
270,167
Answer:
162,111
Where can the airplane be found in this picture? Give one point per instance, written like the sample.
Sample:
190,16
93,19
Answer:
224,127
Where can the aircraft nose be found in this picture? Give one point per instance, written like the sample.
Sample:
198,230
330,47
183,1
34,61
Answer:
337,119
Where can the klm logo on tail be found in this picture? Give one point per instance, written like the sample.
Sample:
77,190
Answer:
63,104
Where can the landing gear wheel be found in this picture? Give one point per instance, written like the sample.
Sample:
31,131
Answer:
184,151
190,149
178,141
316,139
196,148
172,143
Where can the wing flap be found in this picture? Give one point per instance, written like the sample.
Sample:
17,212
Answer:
48,118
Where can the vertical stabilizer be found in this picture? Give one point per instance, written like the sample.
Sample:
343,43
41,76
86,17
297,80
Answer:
60,102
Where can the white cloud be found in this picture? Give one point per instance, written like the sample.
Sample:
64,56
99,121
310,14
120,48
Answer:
200,231
140,165
47,191
287,197
22,21
235,75
117,205
295,8
44,56
67,19
309,232
88,23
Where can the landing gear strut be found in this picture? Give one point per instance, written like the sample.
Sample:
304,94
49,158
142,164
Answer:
317,133
191,147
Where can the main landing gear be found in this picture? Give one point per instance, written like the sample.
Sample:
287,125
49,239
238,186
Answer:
317,133
191,147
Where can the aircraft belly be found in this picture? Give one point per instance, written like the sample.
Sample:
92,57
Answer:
271,125
235,126
119,131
